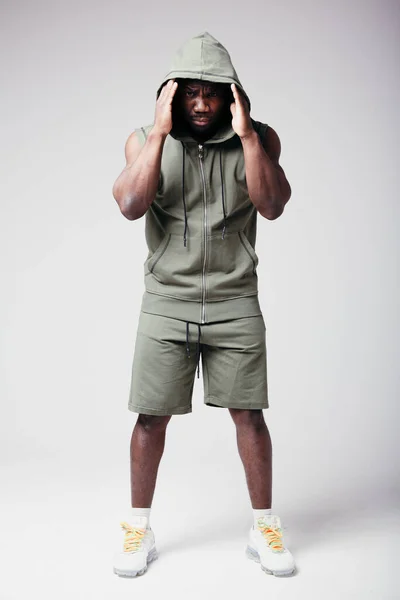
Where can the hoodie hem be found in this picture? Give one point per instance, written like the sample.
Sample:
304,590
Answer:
184,310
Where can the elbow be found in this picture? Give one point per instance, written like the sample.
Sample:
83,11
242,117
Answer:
272,216
127,205
272,211
128,215
129,209
275,206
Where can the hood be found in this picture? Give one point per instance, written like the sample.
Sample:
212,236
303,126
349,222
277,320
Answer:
203,57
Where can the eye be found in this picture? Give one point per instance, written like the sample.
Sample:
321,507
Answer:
189,93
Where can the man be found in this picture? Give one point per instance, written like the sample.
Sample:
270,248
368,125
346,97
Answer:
200,174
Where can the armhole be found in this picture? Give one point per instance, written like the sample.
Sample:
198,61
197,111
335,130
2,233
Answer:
261,129
141,135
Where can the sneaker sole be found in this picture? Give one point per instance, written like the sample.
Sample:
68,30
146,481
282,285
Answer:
153,555
253,555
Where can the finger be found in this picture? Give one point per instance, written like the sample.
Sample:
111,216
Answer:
171,84
168,85
172,91
238,96
164,89
234,90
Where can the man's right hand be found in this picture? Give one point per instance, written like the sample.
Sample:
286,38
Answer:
163,114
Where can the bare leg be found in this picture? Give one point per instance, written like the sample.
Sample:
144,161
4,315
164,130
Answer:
146,450
255,450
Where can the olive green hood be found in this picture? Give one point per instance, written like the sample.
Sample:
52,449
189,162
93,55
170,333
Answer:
203,57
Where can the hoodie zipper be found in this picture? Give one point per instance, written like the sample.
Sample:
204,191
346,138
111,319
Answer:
203,300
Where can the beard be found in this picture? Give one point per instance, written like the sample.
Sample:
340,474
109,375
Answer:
184,121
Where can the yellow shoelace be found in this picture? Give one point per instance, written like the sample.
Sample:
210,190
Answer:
273,537
133,537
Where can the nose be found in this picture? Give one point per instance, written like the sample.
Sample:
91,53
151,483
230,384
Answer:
201,106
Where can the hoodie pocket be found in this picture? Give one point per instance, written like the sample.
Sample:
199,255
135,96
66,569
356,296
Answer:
231,267
249,249
161,248
175,270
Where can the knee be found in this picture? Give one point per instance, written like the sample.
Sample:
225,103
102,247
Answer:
153,423
248,418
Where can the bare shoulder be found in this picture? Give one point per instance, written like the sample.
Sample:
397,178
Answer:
132,148
272,144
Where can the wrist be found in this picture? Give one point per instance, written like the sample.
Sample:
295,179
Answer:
249,136
156,134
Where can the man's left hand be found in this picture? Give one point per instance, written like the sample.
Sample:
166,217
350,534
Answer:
241,122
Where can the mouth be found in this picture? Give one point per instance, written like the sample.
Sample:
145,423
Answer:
200,120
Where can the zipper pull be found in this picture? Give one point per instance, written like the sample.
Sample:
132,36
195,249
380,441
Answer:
201,151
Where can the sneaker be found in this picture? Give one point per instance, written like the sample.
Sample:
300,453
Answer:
265,546
138,548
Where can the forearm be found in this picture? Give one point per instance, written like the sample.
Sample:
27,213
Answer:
262,178
136,187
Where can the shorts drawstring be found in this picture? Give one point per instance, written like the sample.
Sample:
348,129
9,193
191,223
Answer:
198,346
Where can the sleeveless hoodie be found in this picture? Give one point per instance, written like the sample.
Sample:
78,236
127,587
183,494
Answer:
201,227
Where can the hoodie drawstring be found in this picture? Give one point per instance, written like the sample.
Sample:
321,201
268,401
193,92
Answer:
183,194
198,346
223,195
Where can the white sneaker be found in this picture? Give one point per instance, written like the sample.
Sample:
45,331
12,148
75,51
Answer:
138,548
265,545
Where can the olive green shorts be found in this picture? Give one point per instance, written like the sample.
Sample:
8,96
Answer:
168,352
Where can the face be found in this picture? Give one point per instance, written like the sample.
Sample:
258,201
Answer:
201,104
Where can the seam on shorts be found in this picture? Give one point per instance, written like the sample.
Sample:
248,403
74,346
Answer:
205,372
157,411
229,404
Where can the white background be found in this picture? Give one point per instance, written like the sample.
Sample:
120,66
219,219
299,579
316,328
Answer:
77,79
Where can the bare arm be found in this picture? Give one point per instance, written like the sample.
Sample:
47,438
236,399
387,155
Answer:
269,189
272,146
136,187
